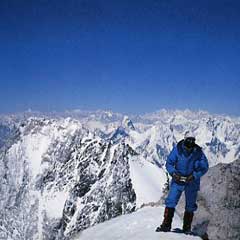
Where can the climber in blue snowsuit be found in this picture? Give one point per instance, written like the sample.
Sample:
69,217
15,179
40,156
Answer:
186,164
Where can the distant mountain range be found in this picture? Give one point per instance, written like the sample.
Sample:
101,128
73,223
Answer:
64,172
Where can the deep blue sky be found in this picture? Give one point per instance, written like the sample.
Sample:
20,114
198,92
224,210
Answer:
128,56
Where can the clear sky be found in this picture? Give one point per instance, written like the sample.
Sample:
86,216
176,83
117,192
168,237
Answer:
129,56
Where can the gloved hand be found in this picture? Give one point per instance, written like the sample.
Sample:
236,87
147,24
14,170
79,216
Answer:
176,177
190,178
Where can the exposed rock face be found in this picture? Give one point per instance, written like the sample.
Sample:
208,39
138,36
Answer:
218,203
59,179
104,189
220,196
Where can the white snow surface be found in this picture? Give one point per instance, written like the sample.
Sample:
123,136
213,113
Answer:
139,225
54,203
147,179
34,145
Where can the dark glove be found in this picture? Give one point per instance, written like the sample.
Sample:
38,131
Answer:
176,177
190,178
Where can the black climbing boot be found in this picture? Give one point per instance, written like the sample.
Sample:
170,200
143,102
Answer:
167,221
187,221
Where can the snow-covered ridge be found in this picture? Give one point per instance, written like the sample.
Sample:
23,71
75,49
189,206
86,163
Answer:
136,226
72,172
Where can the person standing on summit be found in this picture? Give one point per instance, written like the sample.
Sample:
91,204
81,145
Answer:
186,164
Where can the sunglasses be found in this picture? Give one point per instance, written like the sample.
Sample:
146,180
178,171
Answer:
190,140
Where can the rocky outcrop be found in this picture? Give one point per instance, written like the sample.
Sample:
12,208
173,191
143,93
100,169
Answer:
220,197
218,203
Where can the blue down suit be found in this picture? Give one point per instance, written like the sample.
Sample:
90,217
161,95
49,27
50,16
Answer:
185,163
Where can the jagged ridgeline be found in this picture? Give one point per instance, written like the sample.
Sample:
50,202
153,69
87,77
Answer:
60,179
61,174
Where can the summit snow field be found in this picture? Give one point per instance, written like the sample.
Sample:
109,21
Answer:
139,225
65,173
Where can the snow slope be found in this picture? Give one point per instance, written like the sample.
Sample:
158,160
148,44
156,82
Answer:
148,181
139,225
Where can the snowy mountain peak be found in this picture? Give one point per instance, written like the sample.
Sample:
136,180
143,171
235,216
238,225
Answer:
119,135
65,173
127,123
